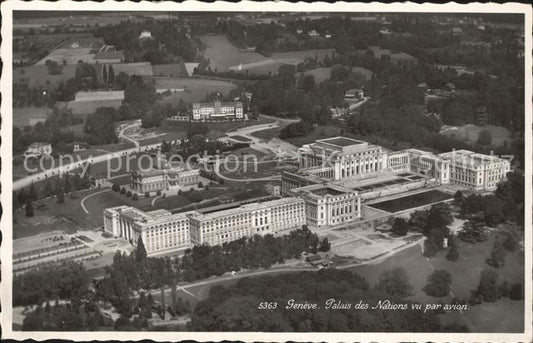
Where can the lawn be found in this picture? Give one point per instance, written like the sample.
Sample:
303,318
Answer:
23,116
68,217
319,74
38,76
196,89
465,274
318,132
224,56
411,201
470,133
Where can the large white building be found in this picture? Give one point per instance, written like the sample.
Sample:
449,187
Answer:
476,171
329,205
345,161
162,231
217,111
340,157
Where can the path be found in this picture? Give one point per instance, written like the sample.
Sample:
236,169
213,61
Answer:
154,199
82,202
124,127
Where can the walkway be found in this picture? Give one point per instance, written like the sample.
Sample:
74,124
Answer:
82,202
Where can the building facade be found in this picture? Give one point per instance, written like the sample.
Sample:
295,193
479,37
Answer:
329,205
161,231
343,157
217,111
38,149
476,171
163,179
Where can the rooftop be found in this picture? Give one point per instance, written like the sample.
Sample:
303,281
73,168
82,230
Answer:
341,141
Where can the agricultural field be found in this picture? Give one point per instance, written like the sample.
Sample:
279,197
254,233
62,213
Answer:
38,76
470,133
196,89
23,116
224,57
172,70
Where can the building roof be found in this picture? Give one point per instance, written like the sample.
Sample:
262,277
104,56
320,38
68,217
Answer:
212,104
109,55
341,141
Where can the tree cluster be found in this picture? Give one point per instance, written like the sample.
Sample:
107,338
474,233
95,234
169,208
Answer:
235,308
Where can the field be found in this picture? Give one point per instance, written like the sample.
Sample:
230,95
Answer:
196,89
38,76
470,133
411,201
172,70
319,74
224,57
23,116
318,132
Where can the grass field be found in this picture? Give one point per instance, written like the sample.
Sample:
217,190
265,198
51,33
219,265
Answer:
470,133
196,89
38,76
319,74
224,56
465,274
23,116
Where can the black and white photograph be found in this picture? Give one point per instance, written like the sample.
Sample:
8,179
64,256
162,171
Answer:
269,172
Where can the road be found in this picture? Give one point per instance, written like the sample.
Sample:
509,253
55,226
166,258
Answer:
27,181
82,202
285,269
124,127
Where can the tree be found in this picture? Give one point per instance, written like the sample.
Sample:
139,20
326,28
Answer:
517,291
438,284
123,190
29,208
440,216
111,75
458,198
66,183
497,255
484,138
135,197
200,184
511,243
140,251
453,253
158,193
60,196
32,194
100,126
487,288
400,226
395,282
147,194
104,74
325,245
21,197
128,194
163,306
115,187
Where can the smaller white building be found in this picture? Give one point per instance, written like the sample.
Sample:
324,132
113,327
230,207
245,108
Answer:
146,35
476,171
38,149
217,111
